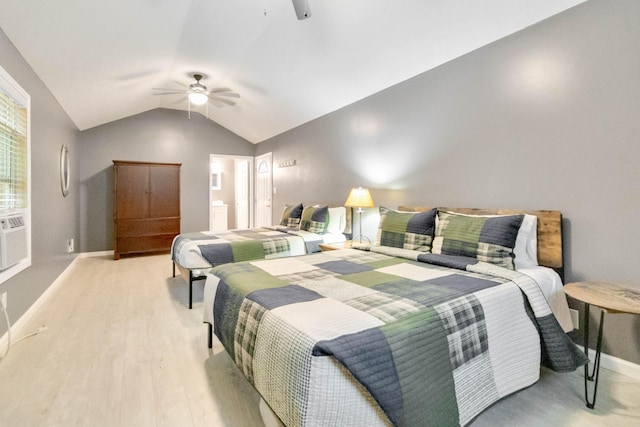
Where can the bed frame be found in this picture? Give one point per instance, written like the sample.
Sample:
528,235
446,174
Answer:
549,231
190,275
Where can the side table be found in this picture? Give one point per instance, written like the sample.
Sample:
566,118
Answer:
610,298
335,246
347,244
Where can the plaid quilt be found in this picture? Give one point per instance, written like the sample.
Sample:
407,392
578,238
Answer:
206,250
429,337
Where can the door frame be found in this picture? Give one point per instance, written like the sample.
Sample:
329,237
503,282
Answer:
269,192
251,182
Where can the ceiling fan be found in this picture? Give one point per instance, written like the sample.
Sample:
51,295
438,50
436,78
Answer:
198,94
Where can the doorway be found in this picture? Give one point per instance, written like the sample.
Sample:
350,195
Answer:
264,190
230,192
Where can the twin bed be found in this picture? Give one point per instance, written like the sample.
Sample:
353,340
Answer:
300,231
450,310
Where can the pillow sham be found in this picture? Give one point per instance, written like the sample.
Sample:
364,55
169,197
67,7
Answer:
486,238
407,230
526,248
291,215
337,220
315,220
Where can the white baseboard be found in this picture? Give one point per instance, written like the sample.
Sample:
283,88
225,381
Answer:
615,364
16,327
94,254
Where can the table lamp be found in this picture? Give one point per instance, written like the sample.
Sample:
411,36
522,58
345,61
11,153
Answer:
359,198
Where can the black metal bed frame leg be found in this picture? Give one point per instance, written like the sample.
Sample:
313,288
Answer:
210,342
595,372
190,288
174,269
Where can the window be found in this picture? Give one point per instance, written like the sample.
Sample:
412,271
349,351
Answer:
13,154
15,194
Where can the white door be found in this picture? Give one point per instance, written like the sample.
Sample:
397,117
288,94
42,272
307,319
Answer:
264,189
242,194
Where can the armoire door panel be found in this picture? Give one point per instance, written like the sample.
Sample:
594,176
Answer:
164,191
131,192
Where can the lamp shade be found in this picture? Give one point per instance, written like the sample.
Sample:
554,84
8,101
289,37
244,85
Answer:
359,198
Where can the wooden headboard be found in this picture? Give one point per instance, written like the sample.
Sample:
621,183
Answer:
549,230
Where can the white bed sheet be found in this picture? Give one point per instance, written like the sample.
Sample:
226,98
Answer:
551,285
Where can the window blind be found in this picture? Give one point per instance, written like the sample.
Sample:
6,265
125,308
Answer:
13,153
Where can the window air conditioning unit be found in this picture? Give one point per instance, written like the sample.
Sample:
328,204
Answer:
13,240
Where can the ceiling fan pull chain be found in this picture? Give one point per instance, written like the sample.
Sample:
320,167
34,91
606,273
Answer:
265,7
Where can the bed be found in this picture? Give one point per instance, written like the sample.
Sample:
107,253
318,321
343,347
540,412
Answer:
299,232
419,327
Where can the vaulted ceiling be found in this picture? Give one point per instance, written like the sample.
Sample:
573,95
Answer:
101,59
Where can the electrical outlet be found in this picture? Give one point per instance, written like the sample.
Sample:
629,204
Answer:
4,300
70,245
575,318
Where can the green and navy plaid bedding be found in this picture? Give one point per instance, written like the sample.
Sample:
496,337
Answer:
489,239
291,215
407,230
315,219
431,338
206,250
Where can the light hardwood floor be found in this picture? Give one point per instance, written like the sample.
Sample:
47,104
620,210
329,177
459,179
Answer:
122,349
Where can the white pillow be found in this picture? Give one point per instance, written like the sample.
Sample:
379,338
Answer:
526,248
337,220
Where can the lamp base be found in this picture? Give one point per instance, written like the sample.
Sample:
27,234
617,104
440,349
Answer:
360,241
358,238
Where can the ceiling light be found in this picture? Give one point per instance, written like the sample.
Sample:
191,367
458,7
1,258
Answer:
198,98
303,11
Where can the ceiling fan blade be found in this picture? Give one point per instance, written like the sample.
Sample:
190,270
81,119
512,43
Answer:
168,93
181,100
220,89
230,94
175,89
218,99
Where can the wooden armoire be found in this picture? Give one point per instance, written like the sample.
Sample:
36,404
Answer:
146,208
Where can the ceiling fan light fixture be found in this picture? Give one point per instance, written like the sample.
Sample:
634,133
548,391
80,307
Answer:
198,98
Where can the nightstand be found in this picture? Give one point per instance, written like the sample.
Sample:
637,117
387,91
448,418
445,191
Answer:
610,298
335,246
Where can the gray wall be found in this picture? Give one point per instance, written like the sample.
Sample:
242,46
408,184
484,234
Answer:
159,135
54,217
548,118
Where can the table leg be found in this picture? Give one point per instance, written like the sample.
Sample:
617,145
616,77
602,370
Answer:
595,372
